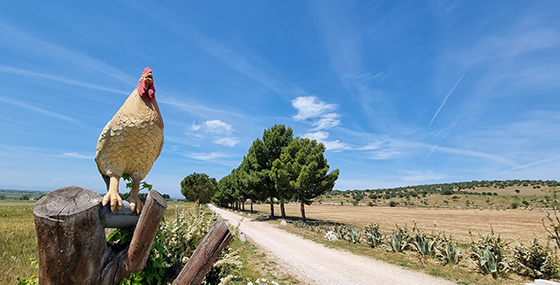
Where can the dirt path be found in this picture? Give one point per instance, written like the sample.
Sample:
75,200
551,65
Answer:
314,263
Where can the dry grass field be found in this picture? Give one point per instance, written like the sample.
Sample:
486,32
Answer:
510,224
18,242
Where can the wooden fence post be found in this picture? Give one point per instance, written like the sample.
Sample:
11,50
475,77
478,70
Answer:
72,247
71,240
205,254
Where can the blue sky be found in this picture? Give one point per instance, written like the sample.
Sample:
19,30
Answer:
401,92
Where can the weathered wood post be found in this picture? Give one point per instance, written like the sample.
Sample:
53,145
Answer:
71,240
205,254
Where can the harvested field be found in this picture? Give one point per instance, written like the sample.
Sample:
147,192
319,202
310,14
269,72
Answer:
510,224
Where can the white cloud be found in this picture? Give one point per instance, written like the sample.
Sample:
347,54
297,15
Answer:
319,136
382,149
385,154
196,127
327,121
76,155
205,155
322,138
311,107
212,126
218,127
215,129
227,141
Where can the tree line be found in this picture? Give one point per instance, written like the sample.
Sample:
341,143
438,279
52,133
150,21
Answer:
277,167
453,188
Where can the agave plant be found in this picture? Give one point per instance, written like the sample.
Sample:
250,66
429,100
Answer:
450,254
535,260
373,236
353,235
398,241
342,232
487,263
424,245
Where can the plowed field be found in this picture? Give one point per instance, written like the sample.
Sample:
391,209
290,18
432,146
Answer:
510,224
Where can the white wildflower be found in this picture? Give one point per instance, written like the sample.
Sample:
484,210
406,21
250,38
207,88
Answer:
330,235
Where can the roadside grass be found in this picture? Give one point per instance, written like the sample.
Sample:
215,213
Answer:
257,265
18,241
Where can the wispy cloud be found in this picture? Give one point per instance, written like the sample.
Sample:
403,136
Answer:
322,138
446,97
419,176
384,149
246,62
227,141
206,156
69,81
200,110
390,148
213,126
217,129
311,107
19,40
327,121
77,155
36,109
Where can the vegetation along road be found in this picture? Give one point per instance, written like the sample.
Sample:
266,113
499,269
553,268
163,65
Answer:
316,264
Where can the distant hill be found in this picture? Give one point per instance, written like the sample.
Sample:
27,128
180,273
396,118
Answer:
480,194
466,186
16,194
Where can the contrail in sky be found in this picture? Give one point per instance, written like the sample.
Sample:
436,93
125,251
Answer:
447,97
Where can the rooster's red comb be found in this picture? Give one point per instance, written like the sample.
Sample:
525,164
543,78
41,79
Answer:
146,71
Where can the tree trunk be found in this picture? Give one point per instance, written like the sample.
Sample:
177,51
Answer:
251,205
271,207
282,209
302,207
243,205
71,242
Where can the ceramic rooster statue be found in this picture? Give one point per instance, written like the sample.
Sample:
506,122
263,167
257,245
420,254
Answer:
130,143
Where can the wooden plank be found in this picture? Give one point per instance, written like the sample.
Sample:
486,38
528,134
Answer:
205,254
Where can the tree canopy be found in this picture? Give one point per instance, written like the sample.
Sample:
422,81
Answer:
198,187
279,167
302,171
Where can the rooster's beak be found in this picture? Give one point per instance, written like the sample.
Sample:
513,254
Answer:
149,78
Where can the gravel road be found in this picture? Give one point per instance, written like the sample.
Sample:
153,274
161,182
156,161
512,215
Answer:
314,263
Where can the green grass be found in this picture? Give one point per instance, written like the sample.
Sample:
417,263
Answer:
18,241
18,245
257,265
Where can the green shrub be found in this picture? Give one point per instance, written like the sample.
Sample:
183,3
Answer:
174,243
